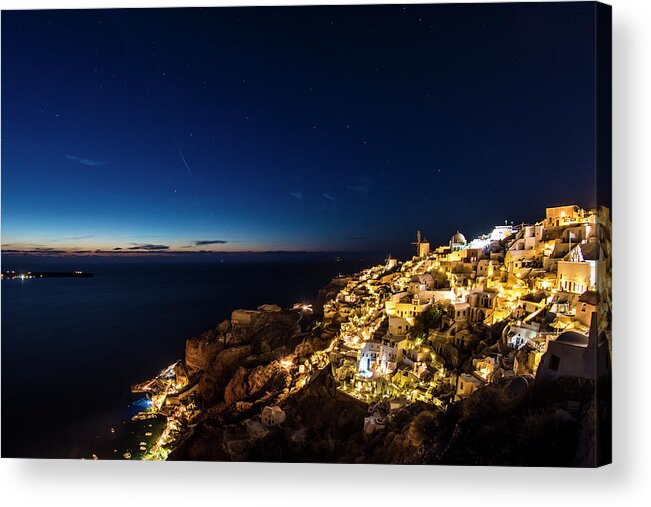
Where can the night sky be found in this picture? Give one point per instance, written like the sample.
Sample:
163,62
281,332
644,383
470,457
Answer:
306,128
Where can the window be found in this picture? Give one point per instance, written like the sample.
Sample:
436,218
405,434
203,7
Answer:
554,362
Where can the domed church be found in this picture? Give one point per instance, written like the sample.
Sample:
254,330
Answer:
457,242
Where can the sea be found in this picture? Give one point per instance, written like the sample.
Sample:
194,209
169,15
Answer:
72,347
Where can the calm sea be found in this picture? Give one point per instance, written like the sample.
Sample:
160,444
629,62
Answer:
71,348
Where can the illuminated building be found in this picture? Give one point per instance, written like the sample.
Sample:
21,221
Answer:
422,246
578,271
377,356
466,385
562,215
457,242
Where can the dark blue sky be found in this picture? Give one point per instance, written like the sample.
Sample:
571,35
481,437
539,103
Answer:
315,128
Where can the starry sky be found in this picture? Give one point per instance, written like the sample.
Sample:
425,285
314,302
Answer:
306,129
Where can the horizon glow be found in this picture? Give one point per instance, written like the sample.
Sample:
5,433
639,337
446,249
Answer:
189,130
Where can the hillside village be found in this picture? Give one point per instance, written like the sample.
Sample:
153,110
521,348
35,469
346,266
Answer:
518,302
519,306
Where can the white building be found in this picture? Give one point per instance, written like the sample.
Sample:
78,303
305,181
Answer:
577,273
466,385
586,306
459,311
574,354
419,283
374,423
390,264
562,215
398,326
482,304
522,250
486,268
517,336
272,416
377,356
457,242
485,368
406,306
500,232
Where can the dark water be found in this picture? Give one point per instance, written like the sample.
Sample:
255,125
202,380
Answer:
71,348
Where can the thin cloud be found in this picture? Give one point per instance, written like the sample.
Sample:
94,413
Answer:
297,195
203,242
76,238
363,186
326,195
148,247
86,161
35,251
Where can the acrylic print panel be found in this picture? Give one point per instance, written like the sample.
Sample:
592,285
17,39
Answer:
351,234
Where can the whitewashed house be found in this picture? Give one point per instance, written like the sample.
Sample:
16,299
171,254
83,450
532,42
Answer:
273,416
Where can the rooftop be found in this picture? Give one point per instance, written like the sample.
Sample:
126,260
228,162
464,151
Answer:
458,238
590,296
573,338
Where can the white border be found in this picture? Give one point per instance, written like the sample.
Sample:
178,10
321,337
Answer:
627,482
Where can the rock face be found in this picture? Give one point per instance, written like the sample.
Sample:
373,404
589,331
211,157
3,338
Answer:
273,330
269,308
253,339
263,384
217,376
237,369
328,293
200,352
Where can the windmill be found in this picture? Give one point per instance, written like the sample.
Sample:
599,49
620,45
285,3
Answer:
422,247
417,242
